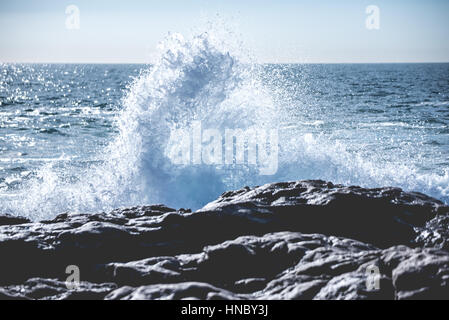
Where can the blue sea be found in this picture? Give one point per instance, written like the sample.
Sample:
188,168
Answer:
90,138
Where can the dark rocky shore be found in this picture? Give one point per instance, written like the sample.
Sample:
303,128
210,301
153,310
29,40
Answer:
295,240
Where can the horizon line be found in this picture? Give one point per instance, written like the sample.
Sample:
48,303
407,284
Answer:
267,63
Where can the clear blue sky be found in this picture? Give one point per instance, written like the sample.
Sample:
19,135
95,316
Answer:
273,30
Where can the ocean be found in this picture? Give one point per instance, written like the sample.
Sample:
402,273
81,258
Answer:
94,137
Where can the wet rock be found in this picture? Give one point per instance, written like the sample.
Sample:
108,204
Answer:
381,216
51,289
293,240
8,220
435,234
423,275
179,291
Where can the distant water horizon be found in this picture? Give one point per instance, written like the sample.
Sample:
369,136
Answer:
143,63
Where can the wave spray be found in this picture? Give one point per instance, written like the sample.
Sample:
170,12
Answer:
201,81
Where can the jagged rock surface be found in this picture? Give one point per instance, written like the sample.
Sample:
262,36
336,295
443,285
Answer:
296,240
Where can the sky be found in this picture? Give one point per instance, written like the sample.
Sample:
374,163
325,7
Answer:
274,31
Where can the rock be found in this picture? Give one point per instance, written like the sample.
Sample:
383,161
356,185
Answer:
435,234
5,295
294,240
179,291
423,275
352,286
38,288
249,285
8,220
382,216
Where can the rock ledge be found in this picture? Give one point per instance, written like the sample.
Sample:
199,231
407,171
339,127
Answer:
292,240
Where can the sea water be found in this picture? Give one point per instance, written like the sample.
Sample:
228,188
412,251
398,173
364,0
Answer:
89,138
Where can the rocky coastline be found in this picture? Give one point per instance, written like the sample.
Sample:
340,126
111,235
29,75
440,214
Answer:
291,240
